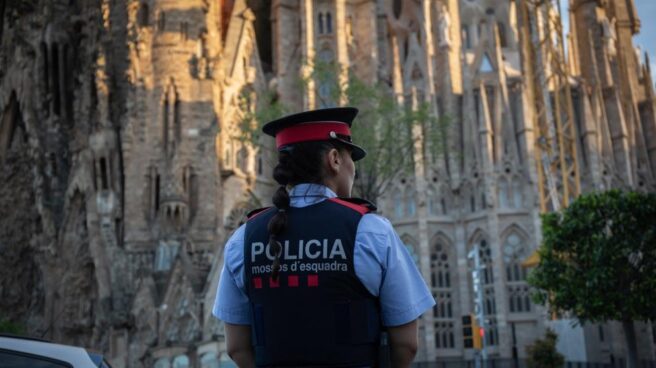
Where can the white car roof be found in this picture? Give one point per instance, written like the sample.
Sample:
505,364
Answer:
76,356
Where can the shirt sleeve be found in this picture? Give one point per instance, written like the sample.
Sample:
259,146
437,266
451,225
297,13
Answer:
231,304
386,268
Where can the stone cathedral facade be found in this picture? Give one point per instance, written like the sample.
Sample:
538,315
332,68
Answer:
124,171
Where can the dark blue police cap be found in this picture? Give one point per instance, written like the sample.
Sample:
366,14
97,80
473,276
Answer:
316,125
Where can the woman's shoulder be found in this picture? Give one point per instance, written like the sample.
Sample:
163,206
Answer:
375,223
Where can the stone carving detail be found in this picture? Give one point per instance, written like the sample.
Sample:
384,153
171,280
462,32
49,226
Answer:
444,27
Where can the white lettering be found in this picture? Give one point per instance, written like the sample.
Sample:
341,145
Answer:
325,248
307,249
338,250
287,255
256,248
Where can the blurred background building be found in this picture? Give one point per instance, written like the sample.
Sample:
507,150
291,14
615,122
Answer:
123,168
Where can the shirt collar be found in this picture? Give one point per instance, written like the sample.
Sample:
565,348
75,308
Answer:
302,195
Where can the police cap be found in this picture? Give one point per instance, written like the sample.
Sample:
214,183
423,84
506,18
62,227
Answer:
316,125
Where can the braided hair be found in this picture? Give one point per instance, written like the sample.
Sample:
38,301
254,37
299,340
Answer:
300,163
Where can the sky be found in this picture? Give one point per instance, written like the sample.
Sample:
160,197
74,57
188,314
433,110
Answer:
646,39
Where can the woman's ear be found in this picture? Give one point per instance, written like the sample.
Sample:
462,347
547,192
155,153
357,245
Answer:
334,160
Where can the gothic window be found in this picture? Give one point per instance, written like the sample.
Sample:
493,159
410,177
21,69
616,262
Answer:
517,192
320,23
433,201
104,180
397,7
161,21
398,204
164,256
441,284
504,200
326,83
410,205
329,23
143,15
468,198
518,290
151,197
480,189
503,40
171,125
190,187
466,37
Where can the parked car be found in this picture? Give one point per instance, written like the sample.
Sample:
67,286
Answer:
25,352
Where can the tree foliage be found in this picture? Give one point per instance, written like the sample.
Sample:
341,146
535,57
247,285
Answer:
543,354
13,328
598,258
385,127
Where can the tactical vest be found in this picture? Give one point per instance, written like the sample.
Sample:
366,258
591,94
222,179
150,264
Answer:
317,312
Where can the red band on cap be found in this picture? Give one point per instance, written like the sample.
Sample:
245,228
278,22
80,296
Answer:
311,131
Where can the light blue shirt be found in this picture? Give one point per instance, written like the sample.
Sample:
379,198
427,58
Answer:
381,261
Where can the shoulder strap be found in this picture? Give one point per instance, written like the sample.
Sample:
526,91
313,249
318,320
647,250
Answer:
358,204
256,212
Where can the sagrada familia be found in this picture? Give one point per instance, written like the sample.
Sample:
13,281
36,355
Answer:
122,171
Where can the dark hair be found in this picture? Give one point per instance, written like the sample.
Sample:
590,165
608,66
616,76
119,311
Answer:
300,163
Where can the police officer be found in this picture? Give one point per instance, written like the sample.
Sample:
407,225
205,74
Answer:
312,280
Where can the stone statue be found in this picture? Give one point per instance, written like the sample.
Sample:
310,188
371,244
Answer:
444,24
609,35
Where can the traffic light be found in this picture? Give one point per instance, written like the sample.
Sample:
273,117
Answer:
467,331
478,334
472,334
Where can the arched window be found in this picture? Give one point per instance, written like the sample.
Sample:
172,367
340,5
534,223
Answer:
517,192
320,16
329,23
441,283
514,252
143,15
171,124
326,83
503,193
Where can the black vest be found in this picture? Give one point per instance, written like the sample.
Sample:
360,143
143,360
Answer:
317,312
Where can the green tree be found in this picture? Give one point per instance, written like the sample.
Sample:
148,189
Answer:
7,326
598,261
385,128
543,354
